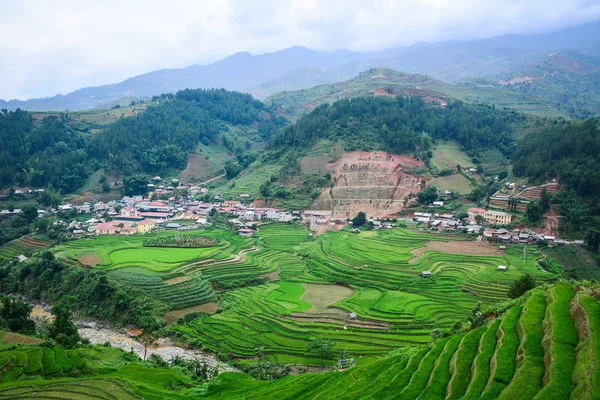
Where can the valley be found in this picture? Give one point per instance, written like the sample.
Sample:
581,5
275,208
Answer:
418,222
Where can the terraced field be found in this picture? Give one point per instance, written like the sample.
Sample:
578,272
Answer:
123,252
40,361
393,304
24,245
538,350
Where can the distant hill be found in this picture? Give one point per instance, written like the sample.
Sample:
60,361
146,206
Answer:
567,78
298,67
388,82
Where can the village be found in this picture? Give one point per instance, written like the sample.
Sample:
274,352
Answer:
173,205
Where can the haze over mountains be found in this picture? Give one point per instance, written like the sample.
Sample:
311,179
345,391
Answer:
298,67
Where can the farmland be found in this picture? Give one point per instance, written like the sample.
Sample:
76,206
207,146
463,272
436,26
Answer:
23,245
447,155
282,288
455,182
545,345
393,305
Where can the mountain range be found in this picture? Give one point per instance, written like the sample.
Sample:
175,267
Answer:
298,68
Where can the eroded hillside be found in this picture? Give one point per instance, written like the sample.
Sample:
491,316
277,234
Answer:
374,182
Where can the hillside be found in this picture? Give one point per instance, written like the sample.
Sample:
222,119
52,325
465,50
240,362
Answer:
297,67
543,346
388,82
65,149
568,79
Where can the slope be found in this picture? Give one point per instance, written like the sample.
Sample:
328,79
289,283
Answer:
388,82
546,345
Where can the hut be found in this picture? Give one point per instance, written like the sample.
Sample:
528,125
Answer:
425,274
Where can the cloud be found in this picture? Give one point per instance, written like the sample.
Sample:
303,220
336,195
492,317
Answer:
57,47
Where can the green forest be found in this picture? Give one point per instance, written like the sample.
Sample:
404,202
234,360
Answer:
397,125
58,153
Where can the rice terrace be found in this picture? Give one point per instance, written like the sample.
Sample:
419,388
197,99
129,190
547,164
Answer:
408,210
362,291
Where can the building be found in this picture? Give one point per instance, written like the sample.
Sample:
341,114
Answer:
425,274
502,268
124,227
246,232
497,218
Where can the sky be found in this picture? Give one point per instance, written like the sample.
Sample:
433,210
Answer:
49,47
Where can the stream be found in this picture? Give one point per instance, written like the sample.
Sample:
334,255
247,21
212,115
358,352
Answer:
98,334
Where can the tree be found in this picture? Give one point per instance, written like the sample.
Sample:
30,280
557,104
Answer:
147,338
534,212
29,213
135,185
480,220
592,240
321,348
232,170
544,200
63,330
15,314
360,219
519,287
476,318
428,195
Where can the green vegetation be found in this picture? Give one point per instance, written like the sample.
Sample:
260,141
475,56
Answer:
567,151
447,155
394,305
397,125
55,152
564,338
509,349
384,81
181,241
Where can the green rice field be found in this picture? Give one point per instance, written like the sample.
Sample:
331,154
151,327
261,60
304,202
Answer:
305,287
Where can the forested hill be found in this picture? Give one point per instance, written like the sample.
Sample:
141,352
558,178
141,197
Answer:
568,152
161,137
58,153
398,124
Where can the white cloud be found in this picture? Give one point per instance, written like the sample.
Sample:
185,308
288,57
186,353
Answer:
59,46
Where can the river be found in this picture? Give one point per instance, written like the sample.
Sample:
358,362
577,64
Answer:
100,335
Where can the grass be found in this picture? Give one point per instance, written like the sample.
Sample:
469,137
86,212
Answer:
436,388
455,182
24,245
564,338
465,358
482,362
311,285
592,309
576,260
505,355
528,379
447,155
249,181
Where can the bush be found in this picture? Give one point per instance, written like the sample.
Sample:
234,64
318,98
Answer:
521,286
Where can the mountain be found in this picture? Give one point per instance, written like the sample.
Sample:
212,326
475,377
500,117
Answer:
299,67
388,82
568,78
